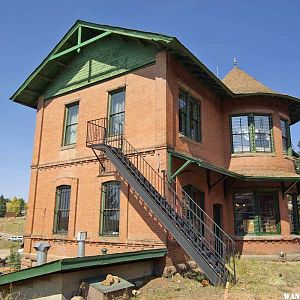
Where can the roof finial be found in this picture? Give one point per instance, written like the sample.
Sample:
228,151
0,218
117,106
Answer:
234,62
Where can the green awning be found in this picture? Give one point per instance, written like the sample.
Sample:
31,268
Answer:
209,166
78,263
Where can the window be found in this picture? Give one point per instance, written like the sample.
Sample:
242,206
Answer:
256,213
117,112
62,208
189,116
251,133
240,134
286,137
70,133
110,209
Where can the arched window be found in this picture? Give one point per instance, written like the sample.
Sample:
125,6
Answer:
110,209
193,206
62,209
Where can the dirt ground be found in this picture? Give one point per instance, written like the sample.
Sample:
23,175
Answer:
257,279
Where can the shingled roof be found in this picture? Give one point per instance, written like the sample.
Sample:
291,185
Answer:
242,83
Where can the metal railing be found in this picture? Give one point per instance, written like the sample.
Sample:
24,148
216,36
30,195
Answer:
210,240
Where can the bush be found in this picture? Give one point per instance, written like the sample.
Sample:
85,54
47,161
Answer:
14,260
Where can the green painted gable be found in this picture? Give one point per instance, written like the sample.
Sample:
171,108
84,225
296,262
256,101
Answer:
101,60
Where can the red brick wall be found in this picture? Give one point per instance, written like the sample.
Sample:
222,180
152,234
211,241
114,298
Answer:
151,124
53,165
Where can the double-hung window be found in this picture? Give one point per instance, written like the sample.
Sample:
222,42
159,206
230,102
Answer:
62,208
71,121
286,137
263,133
110,209
251,133
189,116
116,112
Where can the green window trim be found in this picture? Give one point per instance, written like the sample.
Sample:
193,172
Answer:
286,137
110,209
189,116
62,209
70,124
247,137
261,220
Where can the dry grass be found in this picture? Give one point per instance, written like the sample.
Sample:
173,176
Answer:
258,279
9,245
13,226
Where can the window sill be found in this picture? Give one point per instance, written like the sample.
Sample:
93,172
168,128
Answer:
108,238
184,137
270,237
60,236
272,154
68,147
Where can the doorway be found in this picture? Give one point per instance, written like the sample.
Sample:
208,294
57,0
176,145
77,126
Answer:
218,219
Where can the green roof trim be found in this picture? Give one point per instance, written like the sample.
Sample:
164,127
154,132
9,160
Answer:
83,33
203,164
71,264
38,80
294,103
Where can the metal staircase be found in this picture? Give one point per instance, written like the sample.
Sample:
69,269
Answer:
207,244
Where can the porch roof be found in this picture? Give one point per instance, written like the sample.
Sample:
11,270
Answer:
266,175
78,263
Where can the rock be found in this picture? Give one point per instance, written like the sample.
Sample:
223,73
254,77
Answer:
176,278
192,264
116,279
105,282
110,278
169,271
181,268
136,292
198,270
205,283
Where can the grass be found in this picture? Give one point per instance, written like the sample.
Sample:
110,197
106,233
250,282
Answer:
13,226
9,245
257,279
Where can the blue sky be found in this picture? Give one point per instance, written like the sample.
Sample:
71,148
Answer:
263,35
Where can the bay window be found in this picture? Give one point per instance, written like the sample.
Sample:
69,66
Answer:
256,213
251,133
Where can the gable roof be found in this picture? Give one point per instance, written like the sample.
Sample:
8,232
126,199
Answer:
242,83
84,33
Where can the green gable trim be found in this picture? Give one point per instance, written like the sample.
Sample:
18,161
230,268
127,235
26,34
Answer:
71,264
101,60
81,33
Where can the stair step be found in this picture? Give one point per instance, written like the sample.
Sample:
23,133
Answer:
184,225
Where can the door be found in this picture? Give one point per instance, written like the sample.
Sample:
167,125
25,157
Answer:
195,207
217,212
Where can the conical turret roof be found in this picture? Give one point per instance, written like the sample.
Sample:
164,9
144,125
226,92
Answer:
242,83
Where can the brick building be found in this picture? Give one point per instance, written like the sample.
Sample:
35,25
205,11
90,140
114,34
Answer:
174,157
